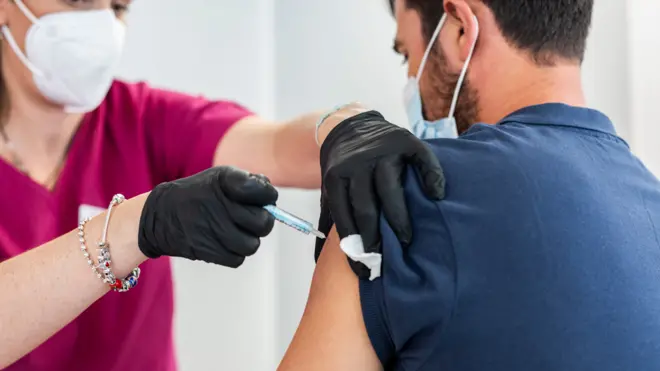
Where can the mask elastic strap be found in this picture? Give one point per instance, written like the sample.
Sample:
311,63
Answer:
24,9
461,77
434,37
19,53
12,42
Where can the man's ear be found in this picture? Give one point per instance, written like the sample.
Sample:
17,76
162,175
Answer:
460,14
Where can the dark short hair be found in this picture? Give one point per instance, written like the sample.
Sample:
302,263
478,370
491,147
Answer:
548,29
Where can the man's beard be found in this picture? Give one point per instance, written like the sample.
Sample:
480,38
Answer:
437,90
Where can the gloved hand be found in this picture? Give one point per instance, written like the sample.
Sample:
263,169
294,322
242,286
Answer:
363,162
215,216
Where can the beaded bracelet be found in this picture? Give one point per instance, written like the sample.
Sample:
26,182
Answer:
103,269
325,117
83,246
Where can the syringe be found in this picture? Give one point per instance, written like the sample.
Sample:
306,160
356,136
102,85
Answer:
293,221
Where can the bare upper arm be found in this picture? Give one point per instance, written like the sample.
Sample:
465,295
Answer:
285,152
249,145
332,335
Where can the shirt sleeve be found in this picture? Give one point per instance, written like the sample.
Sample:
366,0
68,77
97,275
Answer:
184,131
406,308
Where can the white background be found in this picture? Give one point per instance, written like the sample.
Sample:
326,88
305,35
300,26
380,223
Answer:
284,57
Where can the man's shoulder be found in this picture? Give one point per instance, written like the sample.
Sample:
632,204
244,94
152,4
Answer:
483,146
492,173
480,160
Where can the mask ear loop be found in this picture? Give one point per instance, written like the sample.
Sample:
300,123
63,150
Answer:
434,37
461,77
425,58
12,42
26,11
19,53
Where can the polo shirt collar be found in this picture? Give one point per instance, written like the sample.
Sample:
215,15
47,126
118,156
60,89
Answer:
559,114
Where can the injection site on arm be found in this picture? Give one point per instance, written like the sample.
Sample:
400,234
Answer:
331,335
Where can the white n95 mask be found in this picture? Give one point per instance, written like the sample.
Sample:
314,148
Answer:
73,55
444,127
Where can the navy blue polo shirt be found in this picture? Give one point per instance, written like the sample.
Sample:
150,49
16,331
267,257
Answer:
543,256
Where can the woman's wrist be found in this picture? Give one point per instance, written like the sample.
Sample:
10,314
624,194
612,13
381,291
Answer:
122,235
336,117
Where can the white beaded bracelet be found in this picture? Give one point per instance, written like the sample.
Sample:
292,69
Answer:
83,246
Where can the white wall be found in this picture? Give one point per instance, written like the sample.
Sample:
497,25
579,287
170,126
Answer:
606,65
643,52
284,57
219,48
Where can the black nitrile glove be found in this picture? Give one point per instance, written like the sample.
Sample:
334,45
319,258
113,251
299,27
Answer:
215,216
363,162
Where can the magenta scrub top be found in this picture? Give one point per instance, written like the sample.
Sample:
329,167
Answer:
138,138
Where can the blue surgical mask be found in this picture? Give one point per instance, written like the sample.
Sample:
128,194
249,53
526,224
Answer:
444,127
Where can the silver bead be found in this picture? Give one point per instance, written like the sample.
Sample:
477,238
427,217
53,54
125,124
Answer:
86,254
90,263
81,240
118,198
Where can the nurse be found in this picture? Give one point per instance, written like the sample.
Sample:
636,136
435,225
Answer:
72,138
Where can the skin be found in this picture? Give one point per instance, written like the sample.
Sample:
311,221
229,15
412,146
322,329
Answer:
332,334
47,287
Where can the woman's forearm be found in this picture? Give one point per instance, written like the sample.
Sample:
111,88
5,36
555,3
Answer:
297,154
296,150
285,152
44,289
